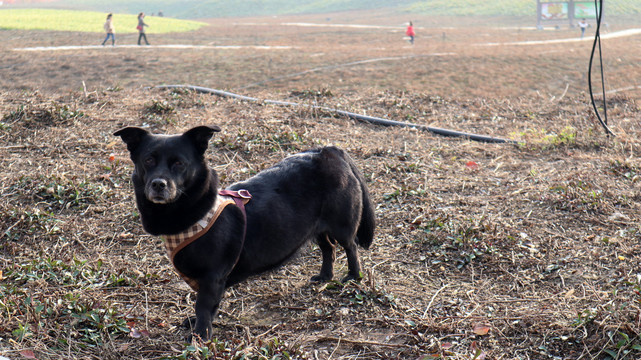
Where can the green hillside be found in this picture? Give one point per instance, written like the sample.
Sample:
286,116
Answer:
87,21
474,7
193,9
506,7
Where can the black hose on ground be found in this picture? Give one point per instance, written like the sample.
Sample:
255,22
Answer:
598,5
351,115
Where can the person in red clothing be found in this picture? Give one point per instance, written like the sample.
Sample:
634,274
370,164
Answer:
410,32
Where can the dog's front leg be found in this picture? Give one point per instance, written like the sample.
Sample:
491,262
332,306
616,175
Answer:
208,299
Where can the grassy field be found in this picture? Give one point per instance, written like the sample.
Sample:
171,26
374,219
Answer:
87,21
482,251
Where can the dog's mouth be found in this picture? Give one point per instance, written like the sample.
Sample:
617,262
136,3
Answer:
159,199
160,191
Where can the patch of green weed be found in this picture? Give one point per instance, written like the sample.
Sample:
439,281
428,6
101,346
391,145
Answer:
52,114
271,349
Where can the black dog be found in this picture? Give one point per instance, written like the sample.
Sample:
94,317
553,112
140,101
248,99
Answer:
318,194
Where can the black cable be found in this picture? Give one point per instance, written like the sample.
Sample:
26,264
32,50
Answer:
598,4
351,115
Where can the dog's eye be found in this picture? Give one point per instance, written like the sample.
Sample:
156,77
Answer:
178,164
150,161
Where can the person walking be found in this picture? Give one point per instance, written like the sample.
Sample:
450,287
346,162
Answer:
141,28
583,25
410,32
109,29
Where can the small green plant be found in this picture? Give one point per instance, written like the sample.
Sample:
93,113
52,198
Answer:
578,195
470,239
546,139
76,274
242,140
115,88
194,351
357,294
53,114
439,223
404,167
567,136
20,332
64,194
404,193
160,107
625,169
65,114
623,345
435,230
584,317
272,349
95,323
26,312
313,94
286,141
14,116
31,223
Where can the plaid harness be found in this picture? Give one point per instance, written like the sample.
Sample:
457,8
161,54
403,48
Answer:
176,242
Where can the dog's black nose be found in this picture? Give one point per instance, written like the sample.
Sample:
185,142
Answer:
159,184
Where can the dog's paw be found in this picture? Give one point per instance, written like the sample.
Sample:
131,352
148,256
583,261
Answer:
351,277
320,278
203,334
194,337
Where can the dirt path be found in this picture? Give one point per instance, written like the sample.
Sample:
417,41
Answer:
612,35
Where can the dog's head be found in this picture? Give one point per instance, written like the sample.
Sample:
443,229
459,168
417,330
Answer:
166,165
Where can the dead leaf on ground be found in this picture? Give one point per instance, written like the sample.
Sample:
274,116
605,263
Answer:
481,329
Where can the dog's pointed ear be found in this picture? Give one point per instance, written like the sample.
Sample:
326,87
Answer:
200,136
132,136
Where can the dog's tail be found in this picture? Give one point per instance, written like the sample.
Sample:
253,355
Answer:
333,156
365,232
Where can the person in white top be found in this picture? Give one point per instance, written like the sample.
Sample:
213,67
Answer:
583,25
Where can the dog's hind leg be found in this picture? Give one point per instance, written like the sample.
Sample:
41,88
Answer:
328,250
353,262
345,236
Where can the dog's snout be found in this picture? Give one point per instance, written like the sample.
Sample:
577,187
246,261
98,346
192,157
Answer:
160,191
159,184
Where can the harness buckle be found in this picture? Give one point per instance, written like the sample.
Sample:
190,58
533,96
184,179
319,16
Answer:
244,194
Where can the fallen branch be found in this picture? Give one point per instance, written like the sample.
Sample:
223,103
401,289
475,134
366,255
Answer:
362,342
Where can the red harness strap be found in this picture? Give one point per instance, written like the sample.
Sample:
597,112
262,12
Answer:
176,242
241,198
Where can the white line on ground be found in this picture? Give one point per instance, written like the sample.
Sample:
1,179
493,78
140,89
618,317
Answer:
614,91
612,35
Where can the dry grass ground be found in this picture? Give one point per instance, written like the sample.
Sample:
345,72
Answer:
487,250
